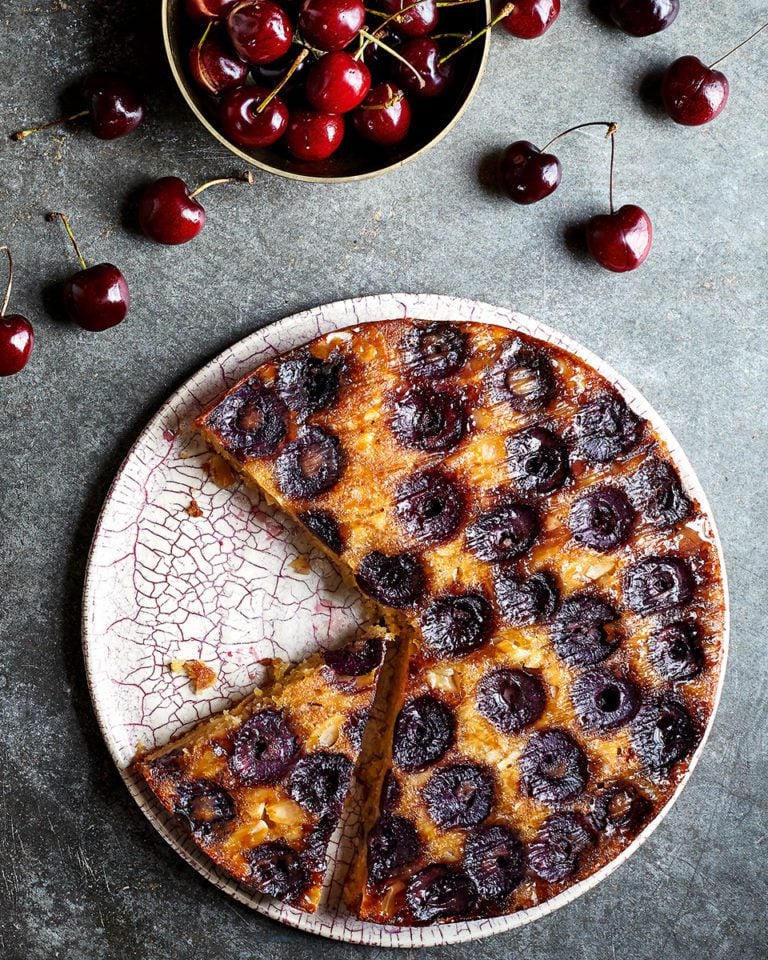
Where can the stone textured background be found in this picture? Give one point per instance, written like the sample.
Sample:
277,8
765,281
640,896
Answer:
82,873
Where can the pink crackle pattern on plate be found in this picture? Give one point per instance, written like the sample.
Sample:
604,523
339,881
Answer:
164,585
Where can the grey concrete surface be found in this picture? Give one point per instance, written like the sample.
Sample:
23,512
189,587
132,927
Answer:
82,874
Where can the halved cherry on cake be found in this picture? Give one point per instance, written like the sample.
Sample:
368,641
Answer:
16,334
170,213
95,298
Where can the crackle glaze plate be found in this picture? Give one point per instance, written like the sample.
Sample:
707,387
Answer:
225,587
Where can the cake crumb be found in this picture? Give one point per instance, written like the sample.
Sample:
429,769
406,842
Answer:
193,508
201,676
300,564
219,471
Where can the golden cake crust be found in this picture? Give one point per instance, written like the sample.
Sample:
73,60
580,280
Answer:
529,528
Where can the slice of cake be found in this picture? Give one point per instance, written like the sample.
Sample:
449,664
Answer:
261,787
560,593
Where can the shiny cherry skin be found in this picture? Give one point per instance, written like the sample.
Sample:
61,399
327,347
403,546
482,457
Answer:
423,53
337,83
115,107
260,31
531,18
244,125
331,24
620,241
97,298
16,341
312,135
168,214
693,93
641,18
384,117
208,9
270,74
527,174
213,65
416,22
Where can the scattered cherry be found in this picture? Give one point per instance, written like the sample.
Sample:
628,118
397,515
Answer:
170,213
529,174
260,30
693,93
95,298
620,240
208,9
213,65
312,135
531,18
641,18
331,24
384,117
114,108
16,334
337,82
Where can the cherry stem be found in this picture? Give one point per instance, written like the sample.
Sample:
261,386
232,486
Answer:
246,177
371,38
612,134
501,15
383,106
9,287
610,124
389,17
23,134
288,74
454,3
738,46
204,37
65,221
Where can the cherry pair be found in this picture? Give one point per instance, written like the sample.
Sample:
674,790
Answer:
619,241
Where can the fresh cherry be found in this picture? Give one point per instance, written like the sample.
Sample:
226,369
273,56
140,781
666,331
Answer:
95,298
114,108
531,18
693,93
260,30
170,213
425,74
417,21
337,83
16,334
313,135
208,9
213,65
384,117
620,240
331,24
246,122
528,174
641,18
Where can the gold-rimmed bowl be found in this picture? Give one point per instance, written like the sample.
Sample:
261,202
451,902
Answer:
433,118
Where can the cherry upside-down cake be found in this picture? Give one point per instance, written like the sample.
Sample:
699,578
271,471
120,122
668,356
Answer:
557,593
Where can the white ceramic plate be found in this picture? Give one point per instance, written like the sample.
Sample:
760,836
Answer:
221,587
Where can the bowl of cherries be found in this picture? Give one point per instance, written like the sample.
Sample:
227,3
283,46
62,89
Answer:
326,90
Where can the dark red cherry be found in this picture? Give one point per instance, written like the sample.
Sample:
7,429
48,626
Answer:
424,732
528,175
416,22
331,24
260,30
511,699
337,82
97,298
252,420
310,465
432,77
579,633
384,117
553,767
693,93
213,65
459,795
243,124
396,581
311,135
264,749
204,805
320,781
531,18
641,18
456,624
16,334
620,241
169,213
115,107
208,9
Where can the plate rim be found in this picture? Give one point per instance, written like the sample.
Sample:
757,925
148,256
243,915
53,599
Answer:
438,934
